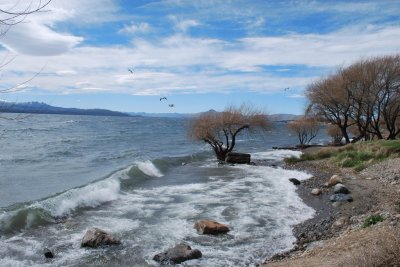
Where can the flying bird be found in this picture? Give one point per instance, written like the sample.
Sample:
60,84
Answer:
287,88
171,105
131,71
162,98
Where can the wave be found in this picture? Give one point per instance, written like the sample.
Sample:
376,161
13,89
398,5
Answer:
57,207
148,168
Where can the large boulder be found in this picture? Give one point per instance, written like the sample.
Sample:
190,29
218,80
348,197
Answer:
340,189
210,227
96,237
240,158
177,254
335,179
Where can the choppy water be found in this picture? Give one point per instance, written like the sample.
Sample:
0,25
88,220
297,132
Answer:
144,181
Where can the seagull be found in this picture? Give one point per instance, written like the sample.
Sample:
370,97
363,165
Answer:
131,71
287,88
171,105
161,98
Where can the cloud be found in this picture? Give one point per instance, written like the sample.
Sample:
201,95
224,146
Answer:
38,40
66,72
184,25
176,62
135,28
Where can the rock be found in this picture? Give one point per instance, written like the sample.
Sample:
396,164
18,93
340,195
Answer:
96,237
47,253
340,189
240,158
341,198
177,254
316,192
210,227
294,181
335,179
342,221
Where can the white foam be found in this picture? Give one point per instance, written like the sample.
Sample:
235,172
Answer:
148,168
278,154
91,195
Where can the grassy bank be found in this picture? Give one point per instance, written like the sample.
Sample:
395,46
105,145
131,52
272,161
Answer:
356,156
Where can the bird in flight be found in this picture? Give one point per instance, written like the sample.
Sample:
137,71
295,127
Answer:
171,105
163,98
287,88
131,71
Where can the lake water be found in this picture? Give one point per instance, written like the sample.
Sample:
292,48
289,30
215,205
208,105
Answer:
143,180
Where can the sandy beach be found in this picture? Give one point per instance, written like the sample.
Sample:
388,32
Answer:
335,236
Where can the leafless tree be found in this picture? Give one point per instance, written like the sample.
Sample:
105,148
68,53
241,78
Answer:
10,16
306,128
365,94
333,131
330,99
17,13
220,129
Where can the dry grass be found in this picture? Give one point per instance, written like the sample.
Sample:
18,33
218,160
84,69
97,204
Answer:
381,249
378,246
356,156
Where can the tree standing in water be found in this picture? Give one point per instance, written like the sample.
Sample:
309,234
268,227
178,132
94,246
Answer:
220,129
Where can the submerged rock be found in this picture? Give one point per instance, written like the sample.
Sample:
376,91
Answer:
294,181
210,227
47,253
177,254
96,237
341,198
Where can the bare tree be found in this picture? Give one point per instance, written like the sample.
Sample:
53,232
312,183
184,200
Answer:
17,12
306,128
365,94
330,99
333,131
10,16
220,129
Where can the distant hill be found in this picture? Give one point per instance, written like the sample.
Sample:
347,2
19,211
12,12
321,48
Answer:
283,117
272,117
43,108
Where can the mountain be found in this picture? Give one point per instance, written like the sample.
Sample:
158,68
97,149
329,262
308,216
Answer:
283,117
43,108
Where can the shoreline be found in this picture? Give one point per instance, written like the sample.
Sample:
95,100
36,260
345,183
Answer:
333,220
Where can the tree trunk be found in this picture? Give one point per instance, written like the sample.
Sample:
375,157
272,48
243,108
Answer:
221,155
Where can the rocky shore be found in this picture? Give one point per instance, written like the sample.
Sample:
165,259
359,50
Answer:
333,236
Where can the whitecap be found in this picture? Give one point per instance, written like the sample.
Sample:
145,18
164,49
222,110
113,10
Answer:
148,168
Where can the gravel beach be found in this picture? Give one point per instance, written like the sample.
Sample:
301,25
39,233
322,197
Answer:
375,190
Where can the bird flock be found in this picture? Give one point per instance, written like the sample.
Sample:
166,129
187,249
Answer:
161,98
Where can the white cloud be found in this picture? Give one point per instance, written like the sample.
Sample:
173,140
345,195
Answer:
135,28
38,40
66,72
179,63
184,25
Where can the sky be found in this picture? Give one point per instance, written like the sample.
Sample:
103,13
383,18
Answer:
199,54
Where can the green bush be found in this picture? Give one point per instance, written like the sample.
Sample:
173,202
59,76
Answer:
373,219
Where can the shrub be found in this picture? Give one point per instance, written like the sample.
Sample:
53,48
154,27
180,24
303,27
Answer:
373,219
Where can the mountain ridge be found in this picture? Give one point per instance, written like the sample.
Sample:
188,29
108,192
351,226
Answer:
43,108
